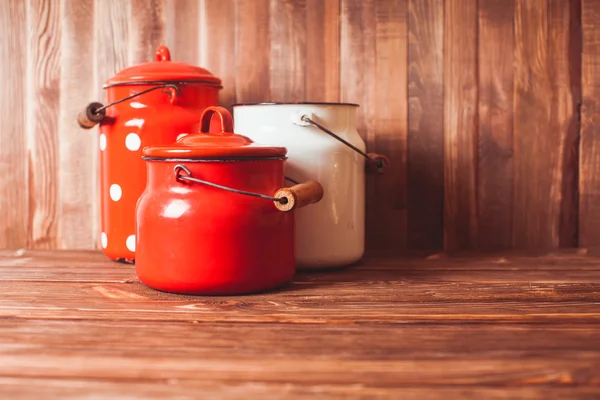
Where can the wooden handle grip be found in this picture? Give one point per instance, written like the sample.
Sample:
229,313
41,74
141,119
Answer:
299,195
89,117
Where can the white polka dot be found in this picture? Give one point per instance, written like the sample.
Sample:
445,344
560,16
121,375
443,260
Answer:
133,141
130,242
135,104
102,141
104,240
181,135
139,122
115,192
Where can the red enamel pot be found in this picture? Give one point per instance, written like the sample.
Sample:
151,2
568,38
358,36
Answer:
215,217
149,104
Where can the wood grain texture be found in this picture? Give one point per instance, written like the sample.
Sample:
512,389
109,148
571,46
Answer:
564,49
383,363
575,339
388,115
495,115
463,97
358,61
305,50
43,95
111,40
183,30
569,227
501,288
217,45
358,75
589,179
425,124
288,50
147,29
414,327
111,55
322,69
536,199
543,110
253,51
77,165
184,389
14,197
460,124
535,205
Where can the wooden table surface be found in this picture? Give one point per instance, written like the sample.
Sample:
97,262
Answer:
74,325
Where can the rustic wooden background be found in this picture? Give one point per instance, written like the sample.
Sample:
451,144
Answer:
489,109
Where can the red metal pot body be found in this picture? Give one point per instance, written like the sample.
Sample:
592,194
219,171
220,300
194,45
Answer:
197,239
125,131
157,117
214,217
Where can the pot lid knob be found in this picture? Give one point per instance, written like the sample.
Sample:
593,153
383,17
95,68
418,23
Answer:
215,141
223,137
162,53
161,69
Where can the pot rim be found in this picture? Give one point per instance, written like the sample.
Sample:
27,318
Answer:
299,103
163,82
211,160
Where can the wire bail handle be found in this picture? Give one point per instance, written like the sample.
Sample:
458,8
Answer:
94,113
285,199
379,161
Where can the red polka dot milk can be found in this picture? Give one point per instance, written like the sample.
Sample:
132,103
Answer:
216,217
149,104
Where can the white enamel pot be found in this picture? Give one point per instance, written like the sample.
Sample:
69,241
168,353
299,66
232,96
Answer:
323,145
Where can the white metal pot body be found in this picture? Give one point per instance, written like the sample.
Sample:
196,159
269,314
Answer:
330,233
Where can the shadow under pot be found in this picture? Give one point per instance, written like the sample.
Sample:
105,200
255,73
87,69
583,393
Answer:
215,217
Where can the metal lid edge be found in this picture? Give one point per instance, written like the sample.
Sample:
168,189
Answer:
323,103
163,81
224,159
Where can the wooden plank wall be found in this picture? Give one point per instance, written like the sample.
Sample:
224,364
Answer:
477,102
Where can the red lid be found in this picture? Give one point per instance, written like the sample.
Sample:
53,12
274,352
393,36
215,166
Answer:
163,69
214,145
